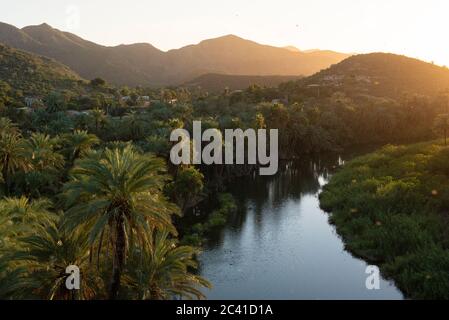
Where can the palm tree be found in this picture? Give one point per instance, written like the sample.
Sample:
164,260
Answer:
26,213
47,255
79,143
11,279
12,156
134,123
46,163
19,217
163,271
98,117
117,199
7,126
34,260
42,151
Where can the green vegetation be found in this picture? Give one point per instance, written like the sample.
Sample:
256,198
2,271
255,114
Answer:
103,210
216,83
31,74
187,186
441,125
85,177
198,232
391,207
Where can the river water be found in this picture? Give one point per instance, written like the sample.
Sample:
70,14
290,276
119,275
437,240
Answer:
280,245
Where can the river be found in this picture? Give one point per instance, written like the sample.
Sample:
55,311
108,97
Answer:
280,245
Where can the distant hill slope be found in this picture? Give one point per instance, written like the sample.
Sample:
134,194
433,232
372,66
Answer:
33,74
143,64
236,56
126,64
214,82
383,74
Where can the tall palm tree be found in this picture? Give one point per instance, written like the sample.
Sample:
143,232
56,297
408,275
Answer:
79,143
117,199
12,156
46,164
163,271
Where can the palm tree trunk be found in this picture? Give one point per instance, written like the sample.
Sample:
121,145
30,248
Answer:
119,259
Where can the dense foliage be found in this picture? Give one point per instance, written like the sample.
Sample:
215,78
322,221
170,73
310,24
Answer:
391,207
100,209
85,176
27,73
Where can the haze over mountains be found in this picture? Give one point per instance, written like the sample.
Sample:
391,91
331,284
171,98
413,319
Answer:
143,64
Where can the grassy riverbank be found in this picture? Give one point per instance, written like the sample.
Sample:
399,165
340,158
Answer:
392,208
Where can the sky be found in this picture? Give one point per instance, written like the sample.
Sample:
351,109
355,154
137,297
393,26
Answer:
415,28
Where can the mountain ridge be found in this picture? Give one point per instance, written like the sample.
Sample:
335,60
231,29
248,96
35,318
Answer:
144,64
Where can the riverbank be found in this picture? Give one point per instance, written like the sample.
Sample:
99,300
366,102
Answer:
391,207
196,234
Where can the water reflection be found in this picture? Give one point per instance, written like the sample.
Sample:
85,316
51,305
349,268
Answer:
279,244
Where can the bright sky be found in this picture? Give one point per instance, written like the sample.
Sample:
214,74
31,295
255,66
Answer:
415,28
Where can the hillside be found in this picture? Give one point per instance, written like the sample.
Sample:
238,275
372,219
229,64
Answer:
33,74
383,74
143,64
214,82
130,64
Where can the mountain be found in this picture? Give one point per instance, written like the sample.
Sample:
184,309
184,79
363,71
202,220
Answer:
383,74
214,82
143,64
34,74
233,55
130,64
